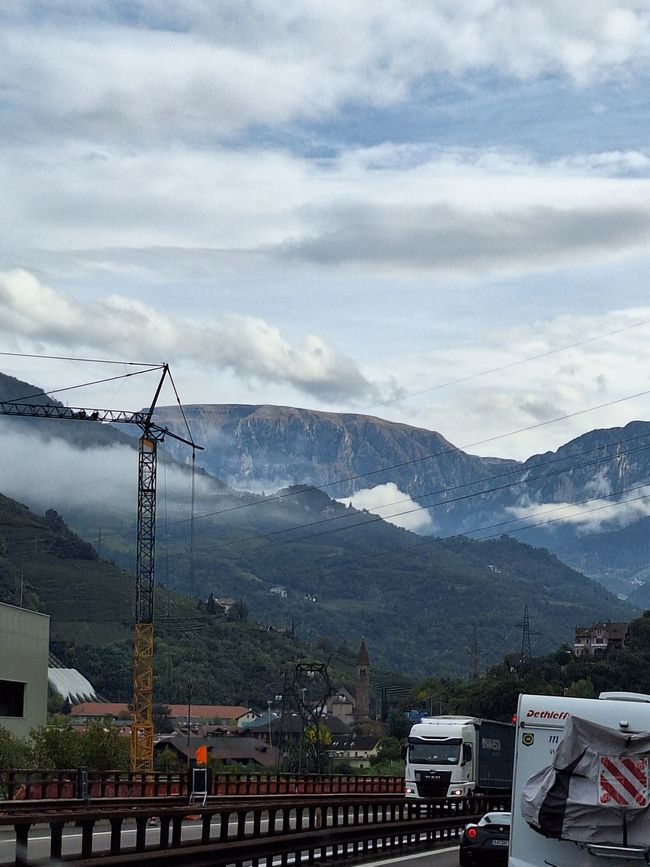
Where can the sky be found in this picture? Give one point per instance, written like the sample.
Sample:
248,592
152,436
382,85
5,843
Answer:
435,212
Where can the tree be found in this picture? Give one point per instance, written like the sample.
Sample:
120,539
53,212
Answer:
390,750
398,725
15,752
56,747
104,748
161,721
315,741
238,611
168,760
582,688
99,748
55,702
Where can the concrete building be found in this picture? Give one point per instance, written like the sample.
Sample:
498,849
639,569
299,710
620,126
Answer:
24,650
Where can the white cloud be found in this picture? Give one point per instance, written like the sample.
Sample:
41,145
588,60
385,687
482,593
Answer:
68,478
394,506
500,403
247,345
209,69
387,210
98,481
174,154
593,517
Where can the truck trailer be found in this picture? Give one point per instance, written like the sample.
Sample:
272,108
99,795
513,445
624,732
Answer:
455,756
581,793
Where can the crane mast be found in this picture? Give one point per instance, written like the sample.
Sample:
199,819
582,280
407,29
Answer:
142,732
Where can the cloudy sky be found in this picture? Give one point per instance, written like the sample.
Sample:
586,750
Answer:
435,212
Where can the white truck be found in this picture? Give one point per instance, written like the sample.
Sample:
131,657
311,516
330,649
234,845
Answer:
581,781
455,756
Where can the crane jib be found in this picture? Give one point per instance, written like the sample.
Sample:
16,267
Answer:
142,728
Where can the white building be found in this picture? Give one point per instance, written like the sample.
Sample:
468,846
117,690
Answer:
24,649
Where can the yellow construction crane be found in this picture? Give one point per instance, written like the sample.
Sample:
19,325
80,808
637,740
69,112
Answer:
142,731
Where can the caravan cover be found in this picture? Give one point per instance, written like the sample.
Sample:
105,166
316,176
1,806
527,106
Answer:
596,790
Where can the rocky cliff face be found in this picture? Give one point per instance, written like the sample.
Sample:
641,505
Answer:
267,447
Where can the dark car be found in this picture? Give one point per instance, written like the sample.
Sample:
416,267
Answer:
486,841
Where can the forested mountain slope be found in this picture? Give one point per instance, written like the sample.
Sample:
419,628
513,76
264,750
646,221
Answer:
345,573
568,501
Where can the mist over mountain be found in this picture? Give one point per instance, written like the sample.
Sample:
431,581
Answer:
268,447
569,501
298,558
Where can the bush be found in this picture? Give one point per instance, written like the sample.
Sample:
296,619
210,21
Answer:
99,748
15,752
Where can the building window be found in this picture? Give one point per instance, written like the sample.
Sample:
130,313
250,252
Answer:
12,698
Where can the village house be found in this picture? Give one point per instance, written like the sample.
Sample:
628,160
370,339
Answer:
225,749
598,639
226,717
354,750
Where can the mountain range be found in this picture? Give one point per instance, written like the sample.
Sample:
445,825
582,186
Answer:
585,502
298,558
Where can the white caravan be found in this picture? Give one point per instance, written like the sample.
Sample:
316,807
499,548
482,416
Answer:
592,808
454,756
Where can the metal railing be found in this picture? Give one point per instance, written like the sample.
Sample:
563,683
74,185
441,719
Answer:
324,827
28,785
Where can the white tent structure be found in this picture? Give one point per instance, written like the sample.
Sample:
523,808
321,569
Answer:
71,684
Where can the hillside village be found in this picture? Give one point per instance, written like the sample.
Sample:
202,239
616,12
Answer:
279,737
342,730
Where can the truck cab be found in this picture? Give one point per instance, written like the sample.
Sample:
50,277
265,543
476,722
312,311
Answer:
440,758
544,726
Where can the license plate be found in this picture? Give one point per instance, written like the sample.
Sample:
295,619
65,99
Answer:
499,842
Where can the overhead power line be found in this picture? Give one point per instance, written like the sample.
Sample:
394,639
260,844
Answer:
452,449
157,365
347,516
424,545
508,365
352,519
81,385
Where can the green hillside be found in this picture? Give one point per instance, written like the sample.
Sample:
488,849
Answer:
90,602
298,560
346,574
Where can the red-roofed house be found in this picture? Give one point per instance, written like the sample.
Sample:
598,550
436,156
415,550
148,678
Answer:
93,710
224,715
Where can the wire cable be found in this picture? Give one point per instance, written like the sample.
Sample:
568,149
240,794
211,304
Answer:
451,450
425,507
86,360
508,365
180,406
430,544
571,467
81,385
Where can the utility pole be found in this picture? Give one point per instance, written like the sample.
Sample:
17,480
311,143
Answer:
526,652
475,656
189,712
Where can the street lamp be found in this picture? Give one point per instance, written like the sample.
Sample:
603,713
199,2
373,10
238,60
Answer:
189,716
269,703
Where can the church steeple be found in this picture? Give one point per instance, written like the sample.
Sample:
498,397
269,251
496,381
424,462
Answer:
363,661
362,711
